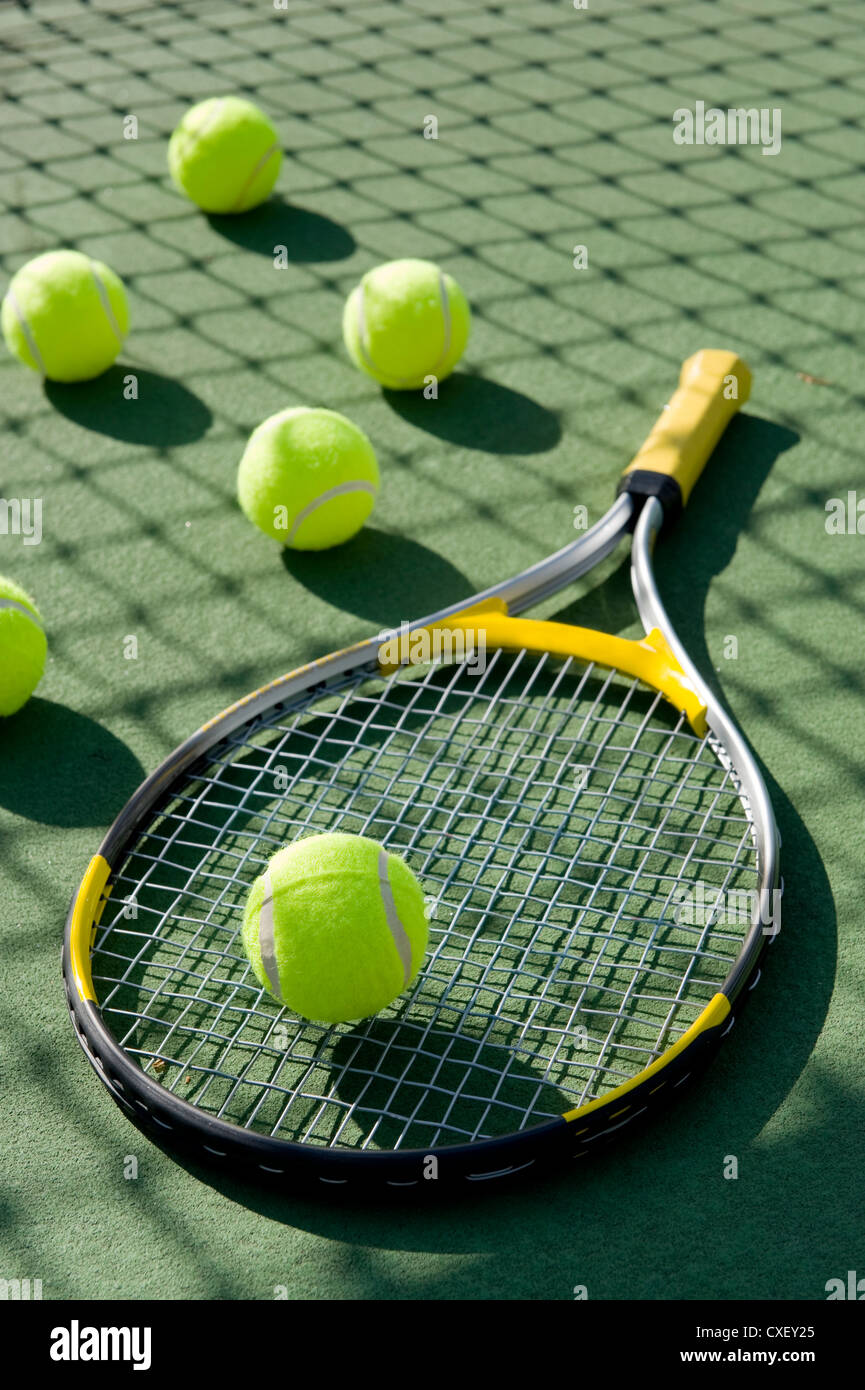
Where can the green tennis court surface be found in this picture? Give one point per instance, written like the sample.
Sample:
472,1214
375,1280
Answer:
555,130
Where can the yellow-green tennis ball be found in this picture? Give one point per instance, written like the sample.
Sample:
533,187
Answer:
335,927
65,316
308,478
406,321
225,155
23,647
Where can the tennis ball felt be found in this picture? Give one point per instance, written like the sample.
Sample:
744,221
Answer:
65,316
308,478
404,322
22,647
225,155
335,927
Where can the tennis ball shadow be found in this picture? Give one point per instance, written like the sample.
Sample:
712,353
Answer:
58,767
383,1067
164,412
307,236
383,577
480,414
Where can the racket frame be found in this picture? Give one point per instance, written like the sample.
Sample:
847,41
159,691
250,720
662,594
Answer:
175,1123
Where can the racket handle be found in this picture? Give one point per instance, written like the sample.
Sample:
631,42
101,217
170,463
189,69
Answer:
713,384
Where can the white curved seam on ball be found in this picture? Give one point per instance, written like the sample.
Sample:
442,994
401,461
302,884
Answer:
20,608
26,330
446,324
266,941
395,926
268,155
107,306
446,319
341,490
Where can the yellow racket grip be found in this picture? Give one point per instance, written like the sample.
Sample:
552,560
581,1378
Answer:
713,384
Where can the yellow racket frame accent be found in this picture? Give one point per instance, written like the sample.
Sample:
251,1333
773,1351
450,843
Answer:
714,1014
89,906
651,659
713,384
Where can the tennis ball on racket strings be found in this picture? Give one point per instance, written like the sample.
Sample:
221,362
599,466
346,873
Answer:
23,647
225,155
406,321
335,928
65,316
308,478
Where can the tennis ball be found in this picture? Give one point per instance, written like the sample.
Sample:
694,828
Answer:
22,647
225,155
308,478
335,927
65,316
404,322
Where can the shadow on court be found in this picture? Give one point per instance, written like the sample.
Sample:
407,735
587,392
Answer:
402,580
58,767
480,414
164,414
306,235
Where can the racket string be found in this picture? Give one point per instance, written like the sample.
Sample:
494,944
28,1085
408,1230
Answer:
558,966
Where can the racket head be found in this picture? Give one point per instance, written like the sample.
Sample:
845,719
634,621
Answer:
563,816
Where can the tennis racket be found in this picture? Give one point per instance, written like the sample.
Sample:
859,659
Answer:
597,843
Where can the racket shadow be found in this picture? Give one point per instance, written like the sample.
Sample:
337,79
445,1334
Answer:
719,515
694,551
